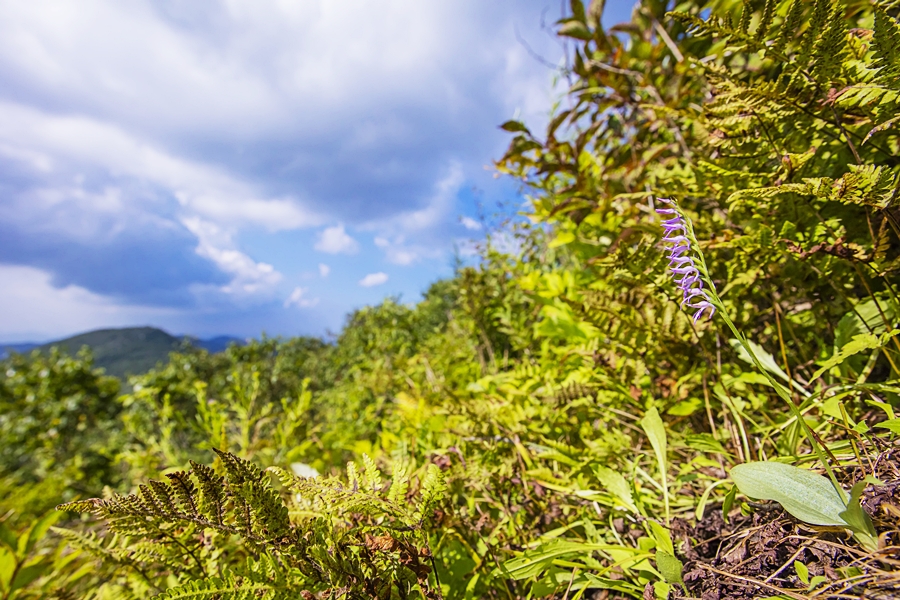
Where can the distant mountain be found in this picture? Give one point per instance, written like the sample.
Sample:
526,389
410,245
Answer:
130,351
216,344
5,349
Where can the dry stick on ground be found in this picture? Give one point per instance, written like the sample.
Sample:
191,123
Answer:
753,581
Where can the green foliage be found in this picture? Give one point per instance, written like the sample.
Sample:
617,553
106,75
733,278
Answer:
344,537
550,417
34,566
57,418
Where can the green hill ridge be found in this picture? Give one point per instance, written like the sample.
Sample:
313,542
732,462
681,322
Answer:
132,350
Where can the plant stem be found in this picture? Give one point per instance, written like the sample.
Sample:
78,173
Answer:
779,389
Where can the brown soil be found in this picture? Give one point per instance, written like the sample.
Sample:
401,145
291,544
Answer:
753,556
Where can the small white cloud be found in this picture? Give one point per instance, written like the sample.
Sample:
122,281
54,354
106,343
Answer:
373,279
324,270
402,256
248,276
470,223
334,240
382,242
298,298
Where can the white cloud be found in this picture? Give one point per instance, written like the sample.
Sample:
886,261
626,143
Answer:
399,253
76,143
373,279
35,310
298,298
241,65
470,223
237,114
334,240
324,270
249,277
402,256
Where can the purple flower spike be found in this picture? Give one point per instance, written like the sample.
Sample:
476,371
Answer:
681,264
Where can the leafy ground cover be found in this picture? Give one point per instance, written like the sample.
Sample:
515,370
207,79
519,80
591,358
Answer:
570,420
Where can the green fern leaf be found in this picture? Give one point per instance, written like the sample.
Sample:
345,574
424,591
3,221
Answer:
886,44
830,48
433,490
399,486
765,20
372,476
185,492
791,25
212,493
227,588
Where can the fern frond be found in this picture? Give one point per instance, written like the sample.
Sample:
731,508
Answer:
372,477
93,545
399,486
212,493
886,44
433,490
765,20
228,588
866,95
862,184
790,25
746,15
830,48
185,492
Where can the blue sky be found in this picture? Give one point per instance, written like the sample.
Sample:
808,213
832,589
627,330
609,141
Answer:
240,166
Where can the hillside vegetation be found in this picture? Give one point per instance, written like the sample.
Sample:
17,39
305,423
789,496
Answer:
682,385
127,351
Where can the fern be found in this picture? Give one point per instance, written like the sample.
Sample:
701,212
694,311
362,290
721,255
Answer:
260,580
886,45
168,526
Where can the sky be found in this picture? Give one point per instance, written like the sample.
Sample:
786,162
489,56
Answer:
234,167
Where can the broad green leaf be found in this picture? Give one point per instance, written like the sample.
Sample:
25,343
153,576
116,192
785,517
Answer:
728,502
669,566
807,496
860,343
685,407
39,529
616,485
661,536
562,238
575,29
8,537
892,425
802,571
656,433
859,520
514,127
817,581
661,590
7,567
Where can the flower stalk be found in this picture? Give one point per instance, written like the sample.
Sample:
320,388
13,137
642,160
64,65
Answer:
691,275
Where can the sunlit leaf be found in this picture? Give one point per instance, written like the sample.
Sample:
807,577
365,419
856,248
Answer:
807,496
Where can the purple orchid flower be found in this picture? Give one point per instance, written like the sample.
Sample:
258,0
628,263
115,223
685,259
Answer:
681,264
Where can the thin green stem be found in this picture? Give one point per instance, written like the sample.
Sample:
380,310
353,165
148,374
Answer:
779,388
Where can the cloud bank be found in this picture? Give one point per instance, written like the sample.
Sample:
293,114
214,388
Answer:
187,164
